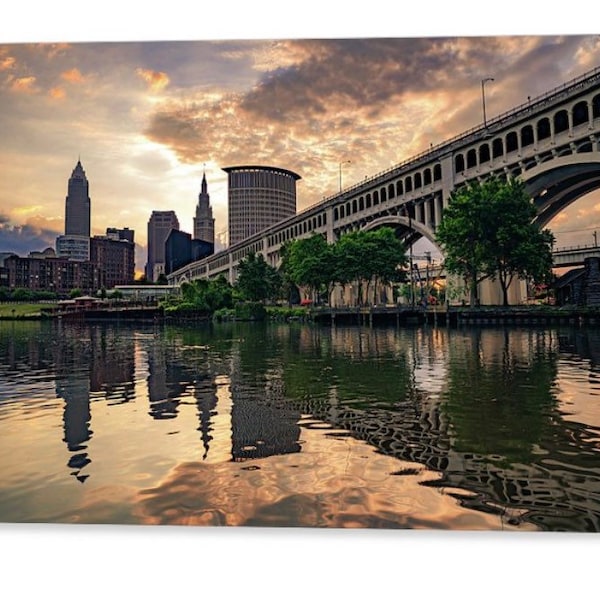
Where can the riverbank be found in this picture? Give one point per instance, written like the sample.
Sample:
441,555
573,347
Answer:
373,315
458,315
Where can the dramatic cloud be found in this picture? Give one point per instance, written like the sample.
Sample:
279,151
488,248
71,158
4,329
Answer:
160,113
23,85
22,239
155,80
57,93
7,62
73,76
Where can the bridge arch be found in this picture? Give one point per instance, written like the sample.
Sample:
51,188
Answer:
410,225
556,184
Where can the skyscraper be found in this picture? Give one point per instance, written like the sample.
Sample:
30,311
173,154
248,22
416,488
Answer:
204,223
258,197
159,226
75,244
77,204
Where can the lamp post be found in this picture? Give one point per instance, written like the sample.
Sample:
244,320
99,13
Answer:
483,82
345,162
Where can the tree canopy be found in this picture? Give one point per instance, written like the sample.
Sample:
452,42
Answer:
364,257
488,231
257,280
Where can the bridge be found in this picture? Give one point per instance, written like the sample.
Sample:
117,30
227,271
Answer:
571,256
552,143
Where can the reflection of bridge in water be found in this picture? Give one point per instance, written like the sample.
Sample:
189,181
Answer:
552,142
533,466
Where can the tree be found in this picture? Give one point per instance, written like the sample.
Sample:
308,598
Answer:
461,235
257,280
309,262
203,295
368,257
488,232
517,245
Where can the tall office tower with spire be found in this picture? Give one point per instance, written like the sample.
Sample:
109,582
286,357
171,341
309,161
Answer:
77,204
204,223
75,244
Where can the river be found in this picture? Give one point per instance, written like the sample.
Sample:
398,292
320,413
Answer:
301,426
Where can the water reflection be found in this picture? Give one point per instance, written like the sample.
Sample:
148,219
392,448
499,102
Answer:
500,422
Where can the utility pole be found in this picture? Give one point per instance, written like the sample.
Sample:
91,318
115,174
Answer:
595,234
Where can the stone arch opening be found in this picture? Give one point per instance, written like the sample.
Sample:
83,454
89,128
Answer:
581,113
484,154
543,128
512,142
497,148
561,121
527,138
471,158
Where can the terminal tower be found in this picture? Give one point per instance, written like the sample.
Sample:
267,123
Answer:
204,223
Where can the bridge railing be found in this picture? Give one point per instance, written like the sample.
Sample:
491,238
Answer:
587,77
579,247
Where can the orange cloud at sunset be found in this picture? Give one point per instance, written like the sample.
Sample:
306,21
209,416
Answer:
156,80
7,63
57,93
23,84
73,76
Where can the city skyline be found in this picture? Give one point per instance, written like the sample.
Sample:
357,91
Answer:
147,119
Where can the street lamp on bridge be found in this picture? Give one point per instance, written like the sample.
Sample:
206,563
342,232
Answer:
345,162
483,82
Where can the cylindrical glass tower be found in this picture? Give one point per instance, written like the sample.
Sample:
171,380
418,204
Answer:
258,198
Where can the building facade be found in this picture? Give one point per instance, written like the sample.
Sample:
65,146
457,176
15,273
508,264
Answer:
181,249
204,222
258,197
159,226
58,275
74,247
114,257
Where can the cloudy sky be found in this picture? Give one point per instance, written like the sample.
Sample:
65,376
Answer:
147,118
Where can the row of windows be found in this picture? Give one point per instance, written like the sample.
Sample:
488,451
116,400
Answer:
262,179
530,134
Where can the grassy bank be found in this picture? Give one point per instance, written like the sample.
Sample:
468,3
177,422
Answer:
23,310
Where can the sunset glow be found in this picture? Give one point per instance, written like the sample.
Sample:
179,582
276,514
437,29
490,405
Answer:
148,118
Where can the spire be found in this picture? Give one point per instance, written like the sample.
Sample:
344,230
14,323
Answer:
78,170
204,188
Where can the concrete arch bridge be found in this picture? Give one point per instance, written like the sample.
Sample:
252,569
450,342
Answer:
552,142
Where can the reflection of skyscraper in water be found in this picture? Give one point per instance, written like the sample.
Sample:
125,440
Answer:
261,422
164,383
112,368
206,401
75,391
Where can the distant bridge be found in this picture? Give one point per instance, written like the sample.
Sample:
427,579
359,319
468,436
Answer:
552,142
571,256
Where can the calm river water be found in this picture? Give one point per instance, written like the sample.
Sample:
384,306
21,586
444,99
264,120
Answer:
300,425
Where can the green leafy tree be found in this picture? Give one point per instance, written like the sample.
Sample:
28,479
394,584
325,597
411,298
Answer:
517,248
203,296
257,280
368,258
309,262
488,232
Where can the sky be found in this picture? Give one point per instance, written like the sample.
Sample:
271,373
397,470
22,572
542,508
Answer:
148,118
